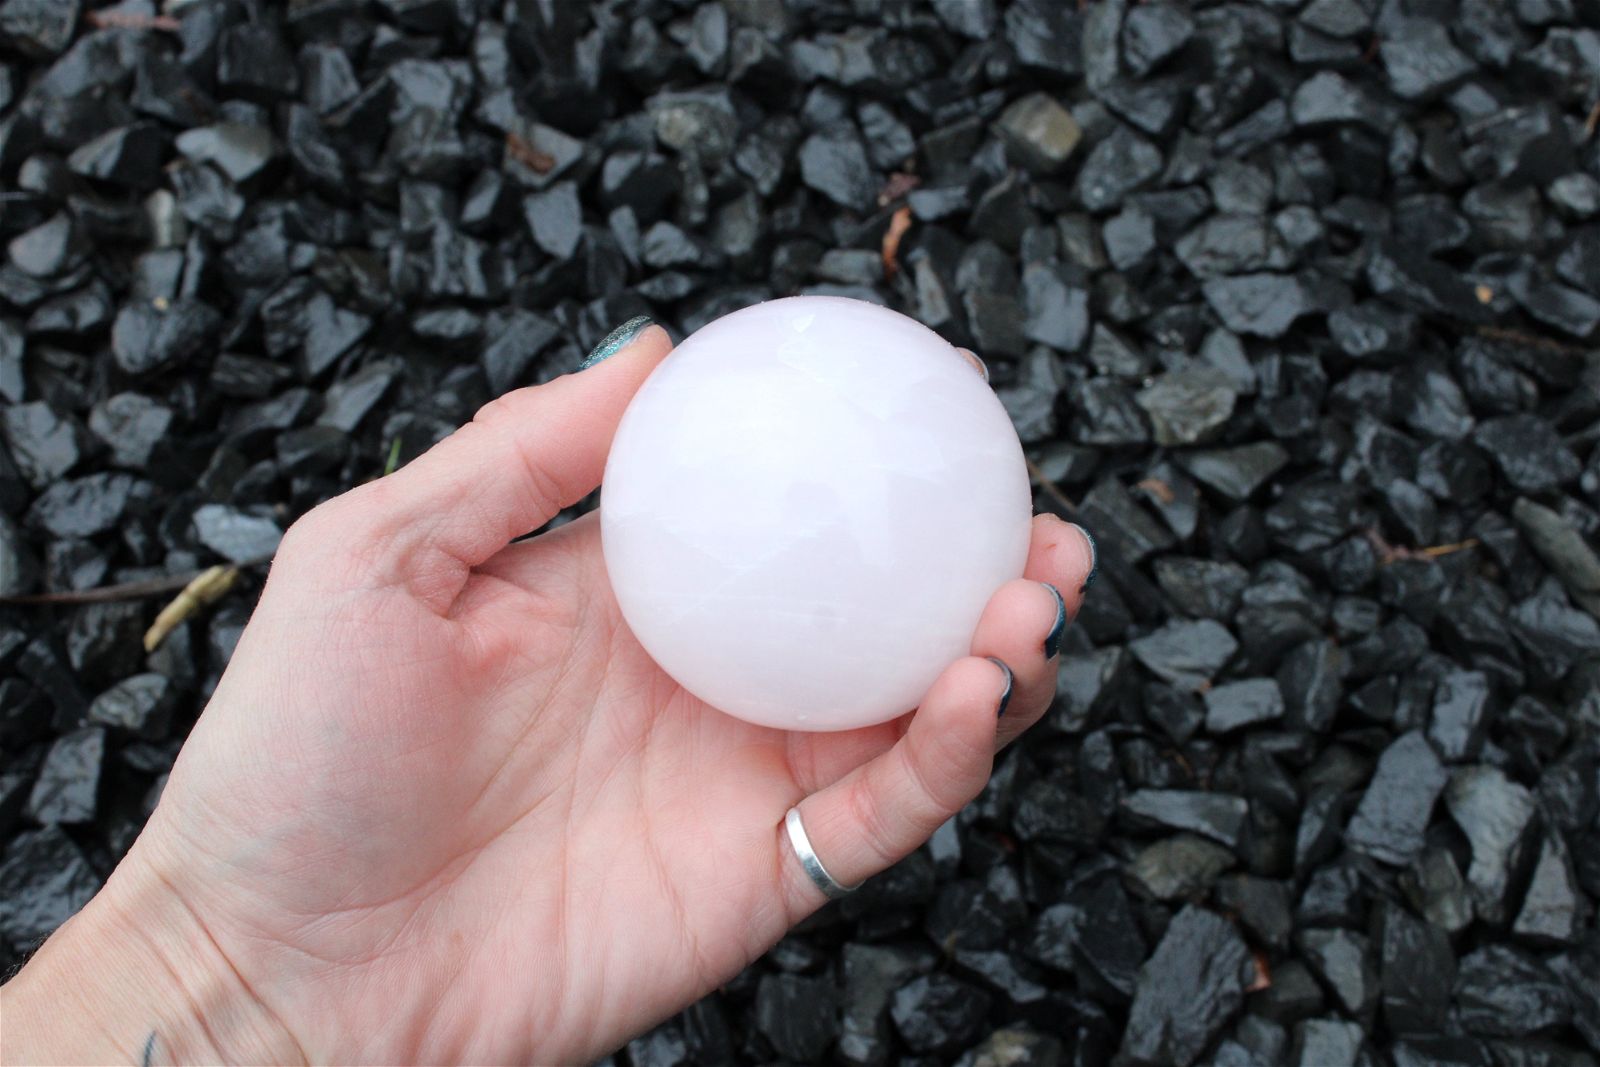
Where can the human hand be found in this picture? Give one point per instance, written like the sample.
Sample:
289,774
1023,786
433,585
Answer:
443,808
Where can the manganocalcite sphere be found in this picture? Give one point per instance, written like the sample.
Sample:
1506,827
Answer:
806,508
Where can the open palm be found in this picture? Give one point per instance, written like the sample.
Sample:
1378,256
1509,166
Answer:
443,807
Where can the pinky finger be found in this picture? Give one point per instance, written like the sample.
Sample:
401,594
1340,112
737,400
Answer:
881,811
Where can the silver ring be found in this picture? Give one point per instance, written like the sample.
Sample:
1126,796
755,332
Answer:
808,858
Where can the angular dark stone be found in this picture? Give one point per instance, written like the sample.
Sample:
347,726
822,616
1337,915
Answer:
1435,888
799,1015
1263,305
555,218
1152,34
1494,813
1311,680
1314,514
872,973
1329,97
664,246
1244,703
1188,405
1294,994
1261,904
1342,959
1235,473
1527,451
1181,867
40,29
44,444
1186,653
1563,550
132,424
938,1012
1039,133
44,880
148,337
1554,910
252,60
1420,58
1418,971
1200,587
349,400
239,150
1213,815
83,507
1187,991
1116,166
51,248
1460,714
515,341
1327,1042
1396,808
1108,415
1231,244
1336,18
1013,1046
19,568
328,332
1416,282
141,705
69,780
236,536
835,164
1577,969
1500,991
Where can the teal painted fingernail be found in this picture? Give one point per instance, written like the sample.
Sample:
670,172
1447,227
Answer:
1094,560
1052,640
616,341
1005,696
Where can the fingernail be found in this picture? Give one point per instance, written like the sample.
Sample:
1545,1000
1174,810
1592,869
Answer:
616,341
1005,696
1094,560
1052,640
977,362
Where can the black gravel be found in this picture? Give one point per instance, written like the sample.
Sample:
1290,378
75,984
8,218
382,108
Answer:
1298,304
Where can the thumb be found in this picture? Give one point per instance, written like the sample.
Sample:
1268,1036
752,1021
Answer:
523,457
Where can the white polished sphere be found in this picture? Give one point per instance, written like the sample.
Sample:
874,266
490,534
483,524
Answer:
806,508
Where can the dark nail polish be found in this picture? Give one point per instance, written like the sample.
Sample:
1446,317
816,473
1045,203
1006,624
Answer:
616,341
1094,560
1052,640
1005,697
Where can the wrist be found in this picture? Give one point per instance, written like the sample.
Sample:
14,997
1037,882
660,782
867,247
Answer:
136,969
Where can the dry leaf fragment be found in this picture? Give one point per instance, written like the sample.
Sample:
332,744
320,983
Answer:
899,223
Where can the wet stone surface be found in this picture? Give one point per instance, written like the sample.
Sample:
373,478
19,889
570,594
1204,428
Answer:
1295,306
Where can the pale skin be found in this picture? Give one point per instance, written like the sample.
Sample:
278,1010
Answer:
443,808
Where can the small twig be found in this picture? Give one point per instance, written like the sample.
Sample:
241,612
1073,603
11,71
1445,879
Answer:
899,223
101,594
1051,488
1435,551
127,20
209,586
1532,340
1263,978
529,156
1162,491
1591,123
1389,553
